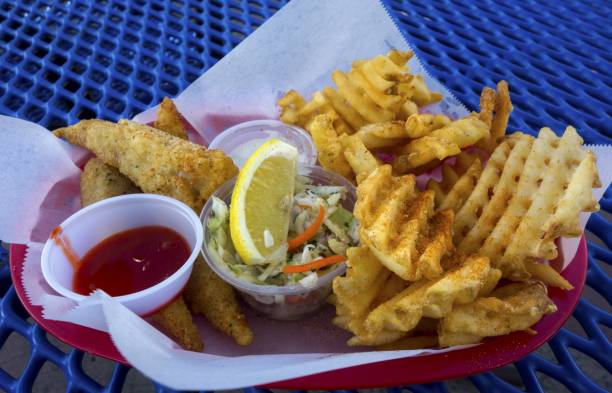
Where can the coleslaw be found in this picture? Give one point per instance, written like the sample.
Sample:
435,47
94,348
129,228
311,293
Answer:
311,205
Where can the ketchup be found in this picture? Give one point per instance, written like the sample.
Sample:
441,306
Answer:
131,261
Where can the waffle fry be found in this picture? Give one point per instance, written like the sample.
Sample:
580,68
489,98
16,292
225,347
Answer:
441,143
399,225
330,150
385,134
295,110
374,90
417,91
354,293
425,298
511,308
530,192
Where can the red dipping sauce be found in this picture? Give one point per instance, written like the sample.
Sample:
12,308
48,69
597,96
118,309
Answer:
130,261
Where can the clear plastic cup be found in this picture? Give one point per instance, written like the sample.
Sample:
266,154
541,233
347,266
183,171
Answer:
241,140
288,302
89,226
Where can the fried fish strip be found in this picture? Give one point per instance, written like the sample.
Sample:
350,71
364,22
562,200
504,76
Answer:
169,119
208,295
176,320
100,181
155,161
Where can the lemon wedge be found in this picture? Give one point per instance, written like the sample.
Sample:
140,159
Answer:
261,203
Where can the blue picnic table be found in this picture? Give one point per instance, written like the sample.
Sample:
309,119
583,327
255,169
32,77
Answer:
62,61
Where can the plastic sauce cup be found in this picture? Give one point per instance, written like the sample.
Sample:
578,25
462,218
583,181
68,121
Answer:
240,141
288,302
92,224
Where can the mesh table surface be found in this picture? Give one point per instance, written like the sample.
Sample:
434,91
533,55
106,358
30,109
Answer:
61,61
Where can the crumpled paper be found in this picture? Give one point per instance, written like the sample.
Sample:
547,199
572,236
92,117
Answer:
297,48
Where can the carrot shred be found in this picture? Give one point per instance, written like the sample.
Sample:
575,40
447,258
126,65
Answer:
309,232
316,264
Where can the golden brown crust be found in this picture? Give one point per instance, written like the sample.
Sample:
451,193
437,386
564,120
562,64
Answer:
100,181
176,320
169,119
156,162
208,295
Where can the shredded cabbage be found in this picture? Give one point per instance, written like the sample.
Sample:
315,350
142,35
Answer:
338,232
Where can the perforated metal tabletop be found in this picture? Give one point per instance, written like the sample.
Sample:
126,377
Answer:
61,61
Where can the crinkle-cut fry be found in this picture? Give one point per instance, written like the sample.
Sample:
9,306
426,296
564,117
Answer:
320,105
296,110
176,320
382,70
410,342
503,107
430,298
346,112
385,134
557,184
400,57
487,106
169,119
374,90
155,161
492,316
419,125
408,109
379,97
359,98
361,160
417,91
364,280
208,295
330,150
549,276
290,105
441,143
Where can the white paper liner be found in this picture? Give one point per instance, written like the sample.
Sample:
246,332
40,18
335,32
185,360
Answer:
298,48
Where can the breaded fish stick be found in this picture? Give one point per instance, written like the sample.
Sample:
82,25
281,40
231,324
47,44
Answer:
176,320
156,162
169,119
208,295
100,181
